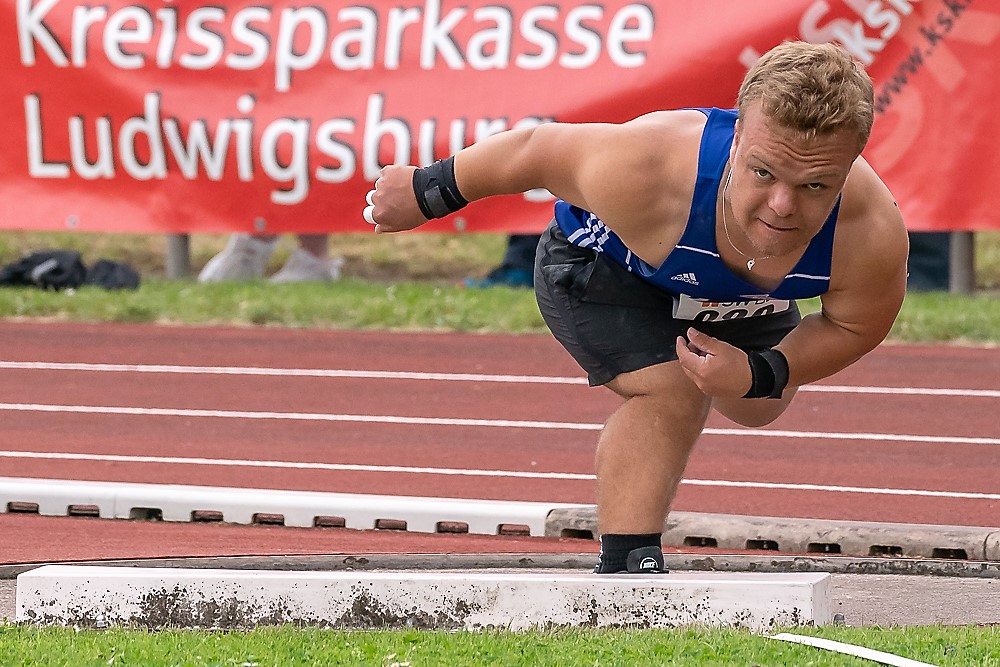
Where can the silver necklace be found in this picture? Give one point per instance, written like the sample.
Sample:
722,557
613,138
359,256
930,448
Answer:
725,226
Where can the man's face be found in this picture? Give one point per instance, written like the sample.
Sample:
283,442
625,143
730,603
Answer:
783,187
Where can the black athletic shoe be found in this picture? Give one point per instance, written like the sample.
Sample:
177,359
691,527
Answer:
644,560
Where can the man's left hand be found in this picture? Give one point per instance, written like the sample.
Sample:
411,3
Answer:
716,367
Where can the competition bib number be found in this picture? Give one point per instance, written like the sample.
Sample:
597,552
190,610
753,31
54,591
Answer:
686,308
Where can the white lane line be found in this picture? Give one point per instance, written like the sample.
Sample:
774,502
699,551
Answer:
473,472
852,649
901,391
964,495
299,416
289,372
878,437
296,465
447,377
495,423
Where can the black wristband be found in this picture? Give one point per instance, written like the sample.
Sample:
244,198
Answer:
436,189
768,374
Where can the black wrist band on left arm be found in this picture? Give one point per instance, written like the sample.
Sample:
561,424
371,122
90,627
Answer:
436,189
768,373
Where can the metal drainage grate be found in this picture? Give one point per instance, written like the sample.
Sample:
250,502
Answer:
451,527
329,522
24,508
762,545
145,514
700,541
84,510
268,519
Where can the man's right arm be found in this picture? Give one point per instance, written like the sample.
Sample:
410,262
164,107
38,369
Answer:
554,156
595,166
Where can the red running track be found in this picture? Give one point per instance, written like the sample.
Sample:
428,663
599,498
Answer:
874,443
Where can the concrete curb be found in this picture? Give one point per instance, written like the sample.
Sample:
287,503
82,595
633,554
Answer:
93,596
802,536
583,562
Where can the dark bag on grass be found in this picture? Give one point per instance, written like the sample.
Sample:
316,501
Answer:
112,275
48,269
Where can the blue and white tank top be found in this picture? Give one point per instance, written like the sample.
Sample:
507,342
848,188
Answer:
693,268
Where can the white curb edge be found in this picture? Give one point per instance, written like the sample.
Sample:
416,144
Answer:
166,597
119,500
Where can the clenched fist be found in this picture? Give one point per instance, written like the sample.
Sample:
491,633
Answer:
392,206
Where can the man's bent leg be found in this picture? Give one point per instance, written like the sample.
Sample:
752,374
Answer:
753,411
644,447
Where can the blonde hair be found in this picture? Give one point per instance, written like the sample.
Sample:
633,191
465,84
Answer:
815,89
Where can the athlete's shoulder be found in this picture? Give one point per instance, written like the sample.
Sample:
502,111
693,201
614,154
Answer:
868,273
868,203
871,235
679,121
660,143
641,184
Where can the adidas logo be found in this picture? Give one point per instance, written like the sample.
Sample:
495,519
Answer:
689,278
648,563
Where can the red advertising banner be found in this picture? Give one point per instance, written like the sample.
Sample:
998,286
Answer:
189,116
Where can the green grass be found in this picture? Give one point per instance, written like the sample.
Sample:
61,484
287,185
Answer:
347,304
398,257
987,260
405,281
391,257
433,306
286,647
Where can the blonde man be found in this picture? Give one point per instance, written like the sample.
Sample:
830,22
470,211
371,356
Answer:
680,243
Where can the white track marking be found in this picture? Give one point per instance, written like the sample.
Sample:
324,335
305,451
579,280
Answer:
496,423
826,435
963,495
295,465
472,472
851,649
901,391
447,377
296,416
290,372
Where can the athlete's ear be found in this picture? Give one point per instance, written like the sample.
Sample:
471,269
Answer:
733,147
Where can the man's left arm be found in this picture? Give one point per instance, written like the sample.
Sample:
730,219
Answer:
867,287
866,292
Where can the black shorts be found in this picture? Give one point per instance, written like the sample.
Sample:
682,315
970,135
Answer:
613,322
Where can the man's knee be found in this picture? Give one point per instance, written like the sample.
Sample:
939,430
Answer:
753,412
665,378
665,388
